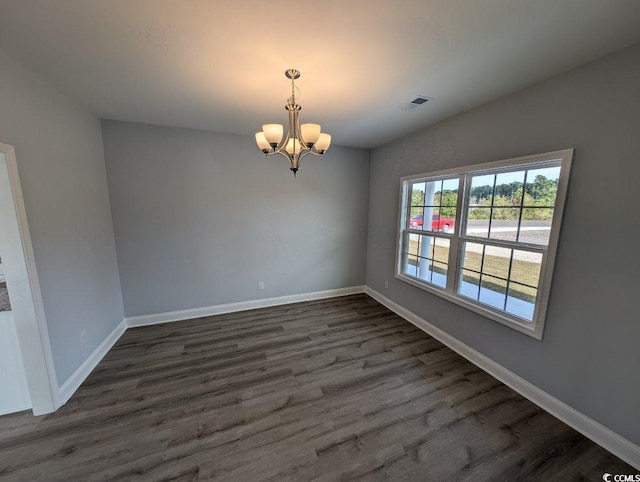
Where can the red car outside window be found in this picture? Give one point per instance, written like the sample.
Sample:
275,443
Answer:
438,223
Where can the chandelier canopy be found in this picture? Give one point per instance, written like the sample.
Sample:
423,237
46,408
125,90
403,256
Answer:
300,140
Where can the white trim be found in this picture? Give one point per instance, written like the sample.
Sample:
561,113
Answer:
459,236
614,443
80,375
191,313
72,384
27,304
505,164
15,410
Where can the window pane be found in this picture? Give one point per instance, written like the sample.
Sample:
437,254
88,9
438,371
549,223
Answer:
447,210
431,187
542,187
481,190
521,301
480,202
434,260
415,220
469,284
437,196
450,194
439,277
427,258
472,256
440,222
509,188
441,261
417,194
424,271
504,223
535,227
441,250
496,262
431,213
478,222
497,267
525,268
493,291
432,205
410,259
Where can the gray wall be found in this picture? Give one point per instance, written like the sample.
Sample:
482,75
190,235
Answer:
61,163
200,218
589,357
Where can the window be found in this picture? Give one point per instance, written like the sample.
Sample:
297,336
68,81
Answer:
485,236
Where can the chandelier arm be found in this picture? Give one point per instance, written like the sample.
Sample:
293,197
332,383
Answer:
303,155
282,148
296,127
286,155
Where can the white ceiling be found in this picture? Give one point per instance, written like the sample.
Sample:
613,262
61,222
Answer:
219,65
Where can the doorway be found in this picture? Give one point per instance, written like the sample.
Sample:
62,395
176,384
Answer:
14,394
28,379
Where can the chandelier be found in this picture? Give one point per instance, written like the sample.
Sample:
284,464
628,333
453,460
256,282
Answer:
300,141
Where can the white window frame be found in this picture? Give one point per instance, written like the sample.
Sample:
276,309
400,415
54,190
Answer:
534,328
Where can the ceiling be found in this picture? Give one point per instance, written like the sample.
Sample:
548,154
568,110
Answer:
219,65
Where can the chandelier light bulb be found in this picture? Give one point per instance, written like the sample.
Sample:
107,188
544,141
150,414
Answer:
323,143
273,133
310,133
293,146
262,142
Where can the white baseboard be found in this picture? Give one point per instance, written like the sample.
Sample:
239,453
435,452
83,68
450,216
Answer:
15,409
189,314
614,443
69,387
72,384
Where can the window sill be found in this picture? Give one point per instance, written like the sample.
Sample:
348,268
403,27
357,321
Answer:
531,329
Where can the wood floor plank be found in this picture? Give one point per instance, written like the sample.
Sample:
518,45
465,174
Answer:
337,389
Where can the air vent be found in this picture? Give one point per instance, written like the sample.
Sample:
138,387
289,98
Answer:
417,102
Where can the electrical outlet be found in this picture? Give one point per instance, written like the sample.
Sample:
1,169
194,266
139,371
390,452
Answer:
386,283
83,337
260,285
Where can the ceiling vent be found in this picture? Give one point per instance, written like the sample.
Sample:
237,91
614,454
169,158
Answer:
417,102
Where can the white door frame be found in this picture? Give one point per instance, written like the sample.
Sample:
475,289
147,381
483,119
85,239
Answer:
24,290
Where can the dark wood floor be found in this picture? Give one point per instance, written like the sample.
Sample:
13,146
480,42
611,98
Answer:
338,389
